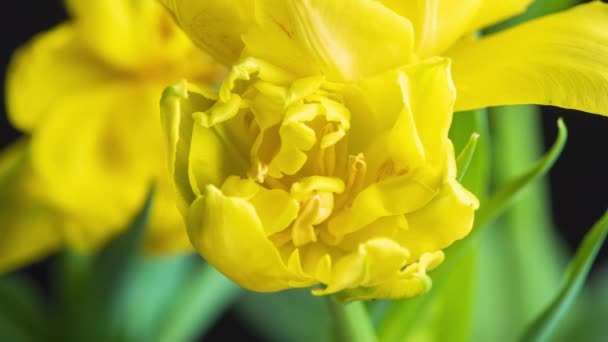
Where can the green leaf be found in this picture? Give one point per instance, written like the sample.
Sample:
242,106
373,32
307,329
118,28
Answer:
160,279
22,311
542,328
92,287
507,194
293,315
202,298
466,155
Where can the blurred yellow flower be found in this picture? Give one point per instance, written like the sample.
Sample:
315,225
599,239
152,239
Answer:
324,157
86,93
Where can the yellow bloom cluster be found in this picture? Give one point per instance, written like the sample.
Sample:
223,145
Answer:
86,95
327,166
324,156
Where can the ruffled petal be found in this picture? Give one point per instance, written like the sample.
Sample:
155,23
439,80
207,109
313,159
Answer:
559,60
228,232
447,218
371,264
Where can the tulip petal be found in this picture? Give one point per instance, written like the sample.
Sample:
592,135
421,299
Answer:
372,263
52,58
447,218
345,49
228,233
559,60
410,282
429,90
178,103
30,228
97,155
129,35
214,25
439,23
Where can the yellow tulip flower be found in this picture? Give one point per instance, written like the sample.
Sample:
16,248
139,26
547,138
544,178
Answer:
86,92
324,157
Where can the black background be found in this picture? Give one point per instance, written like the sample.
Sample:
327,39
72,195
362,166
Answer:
578,182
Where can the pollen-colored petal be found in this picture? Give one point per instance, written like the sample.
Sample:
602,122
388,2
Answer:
129,35
345,49
81,177
559,60
410,282
493,11
314,36
372,263
53,57
439,23
178,103
215,25
31,227
229,234
445,219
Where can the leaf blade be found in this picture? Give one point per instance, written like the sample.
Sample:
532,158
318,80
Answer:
544,325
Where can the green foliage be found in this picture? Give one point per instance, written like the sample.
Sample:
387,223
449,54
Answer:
22,311
544,326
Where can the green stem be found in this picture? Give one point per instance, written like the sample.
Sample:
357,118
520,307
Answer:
351,321
205,297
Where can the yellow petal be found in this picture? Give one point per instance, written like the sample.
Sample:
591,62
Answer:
228,233
178,103
492,12
215,25
392,196
45,70
314,36
332,33
447,218
372,263
559,60
31,227
97,154
411,282
130,35
430,93
439,23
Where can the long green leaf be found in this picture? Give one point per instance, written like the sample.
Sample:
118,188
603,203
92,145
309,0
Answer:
91,288
161,278
22,311
508,193
199,302
542,328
